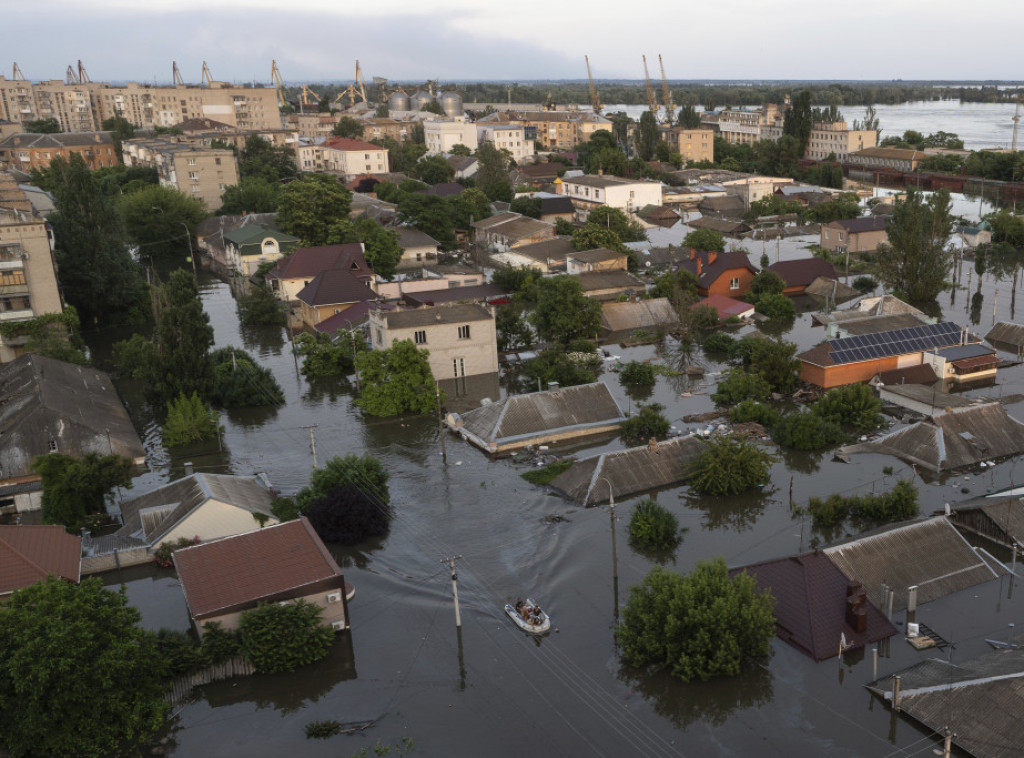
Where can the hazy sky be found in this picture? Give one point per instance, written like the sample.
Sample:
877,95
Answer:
318,40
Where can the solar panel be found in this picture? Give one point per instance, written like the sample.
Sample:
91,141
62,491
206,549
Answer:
910,339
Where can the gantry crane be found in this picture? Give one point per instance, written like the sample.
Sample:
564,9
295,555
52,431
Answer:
304,98
670,108
77,77
71,77
176,75
1016,123
17,75
83,77
359,83
652,102
595,102
275,78
207,76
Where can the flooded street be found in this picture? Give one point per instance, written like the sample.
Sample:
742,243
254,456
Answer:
491,690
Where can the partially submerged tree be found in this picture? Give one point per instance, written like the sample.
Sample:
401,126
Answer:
563,312
261,307
854,405
75,489
156,218
396,380
366,473
280,637
652,527
915,262
346,515
189,420
240,382
328,355
729,466
647,423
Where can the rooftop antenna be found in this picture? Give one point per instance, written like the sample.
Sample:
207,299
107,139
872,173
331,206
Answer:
1016,123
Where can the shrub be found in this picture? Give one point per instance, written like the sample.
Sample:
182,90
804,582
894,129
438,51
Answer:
278,638
164,555
558,366
328,355
239,382
189,420
775,362
546,474
729,466
219,644
740,385
364,472
347,515
261,307
864,284
648,422
898,505
696,626
653,527
765,283
636,373
702,318
854,405
806,431
321,730
718,342
775,306
752,410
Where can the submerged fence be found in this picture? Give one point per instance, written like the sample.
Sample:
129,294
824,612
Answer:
181,688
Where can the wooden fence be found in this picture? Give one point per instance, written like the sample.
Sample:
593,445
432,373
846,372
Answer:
181,688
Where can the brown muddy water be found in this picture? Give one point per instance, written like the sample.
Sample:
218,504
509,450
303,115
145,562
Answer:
489,690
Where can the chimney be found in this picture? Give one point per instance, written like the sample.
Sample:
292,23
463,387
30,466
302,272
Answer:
652,445
693,253
600,172
856,607
188,468
712,256
699,267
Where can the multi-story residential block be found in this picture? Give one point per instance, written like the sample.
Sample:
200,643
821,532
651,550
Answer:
442,136
28,274
828,138
312,125
200,172
17,101
352,157
379,128
29,151
754,188
590,192
507,136
693,144
71,105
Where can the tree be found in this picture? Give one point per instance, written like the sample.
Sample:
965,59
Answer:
492,173
514,333
380,245
591,237
647,136
563,312
799,121
347,127
1006,228
557,366
740,385
156,218
729,466
434,169
240,382
310,206
752,410
914,264
76,488
259,158
120,129
346,515
705,239
460,150
521,281
365,472
78,676
806,431
527,206
183,340
432,106
431,215
627,229
775,306
854,405
328,355
688,117
97,272
261,307
697,626
396,380
647,423
42,126
775,362
468,206
253,194
279,637
652,527
637,374
189,420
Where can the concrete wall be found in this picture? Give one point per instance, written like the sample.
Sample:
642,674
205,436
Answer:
332,611
95,564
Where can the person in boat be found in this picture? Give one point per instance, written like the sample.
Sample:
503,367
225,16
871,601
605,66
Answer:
519,604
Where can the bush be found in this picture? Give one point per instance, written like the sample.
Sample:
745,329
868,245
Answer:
696,626
702,318
752,410
653,527
278,638
648,422
740,385
718,342
363,472
898,505
775,362
729,466
189,420
239,382
261,307
558,366
765,283
775,306
328,355
636,373
854,405
864,284
547,473
321,730
806,431
164,555
347,515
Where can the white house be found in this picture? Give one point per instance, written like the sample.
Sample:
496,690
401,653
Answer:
353,157
590,192
442,136
507,136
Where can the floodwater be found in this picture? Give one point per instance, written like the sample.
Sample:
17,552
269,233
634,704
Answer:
489,689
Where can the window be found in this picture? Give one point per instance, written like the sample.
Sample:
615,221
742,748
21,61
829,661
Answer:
217,161
420,337
734,283
464,332
191,161
193,175
195,188
459,366
53,445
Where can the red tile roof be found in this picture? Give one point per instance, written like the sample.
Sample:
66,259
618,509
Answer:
721,264
29,553
810,605
727,306
274,563
310,261
350,145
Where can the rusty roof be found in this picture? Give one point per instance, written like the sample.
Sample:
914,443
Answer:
931,555
810,605
628,472
1007,333
801,273
643,314
29,553
278,560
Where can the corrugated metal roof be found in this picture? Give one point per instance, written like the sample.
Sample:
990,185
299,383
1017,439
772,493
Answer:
810,605
643,314
930,554
1007,333
628,472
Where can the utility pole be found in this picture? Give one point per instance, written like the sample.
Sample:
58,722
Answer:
312,442
440,428
615,555
455,587
356,368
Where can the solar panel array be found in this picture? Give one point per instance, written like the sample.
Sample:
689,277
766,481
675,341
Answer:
911,339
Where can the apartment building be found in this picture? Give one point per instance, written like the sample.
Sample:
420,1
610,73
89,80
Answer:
507,136
312,125
442,136
29,151
17,101
693,144
379,128
352,157
70,104
200,172
590,192
828,138
28,274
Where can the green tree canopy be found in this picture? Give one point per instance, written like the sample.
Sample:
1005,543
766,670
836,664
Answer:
696,626
380,245
653,528
189,420
563,312
627,229
310,206
527,205
705,239
729,466
915,263
647,136
75,489
253,194
279,637
364,472
120,129
592,236
431,215
78,676
259,158
183,341
395,380
241,382
347,127
42,126
492,176
648,422
156,218
468,206
434,169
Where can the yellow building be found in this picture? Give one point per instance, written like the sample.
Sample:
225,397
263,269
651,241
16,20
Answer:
693,144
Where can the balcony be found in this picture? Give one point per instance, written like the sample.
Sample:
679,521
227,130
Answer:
20,315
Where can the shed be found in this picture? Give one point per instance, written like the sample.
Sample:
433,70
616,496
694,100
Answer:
720,225
931,555
552,416
629,472
1007,336
656,313
817,607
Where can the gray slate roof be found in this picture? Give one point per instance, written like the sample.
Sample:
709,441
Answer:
628,472
459,313
930,554
520,417
643,314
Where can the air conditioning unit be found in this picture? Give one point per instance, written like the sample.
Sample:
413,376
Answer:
334,597
338,626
